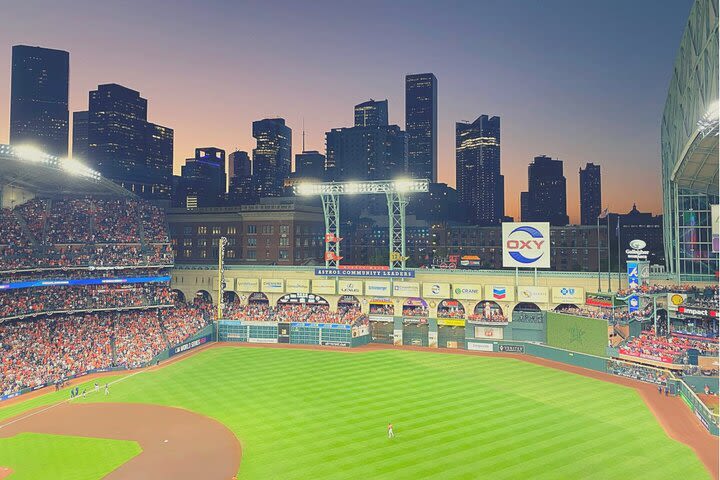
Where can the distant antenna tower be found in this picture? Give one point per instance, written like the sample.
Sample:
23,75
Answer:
303,125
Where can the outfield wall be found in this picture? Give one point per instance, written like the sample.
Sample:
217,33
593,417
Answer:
579,334
298,333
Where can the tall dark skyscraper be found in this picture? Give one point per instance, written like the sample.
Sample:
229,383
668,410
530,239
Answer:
310,164
546,195
590,194
366,153
272,157
39,98
371,114
122,145
481,187
202,182
240,174
80,136
421,125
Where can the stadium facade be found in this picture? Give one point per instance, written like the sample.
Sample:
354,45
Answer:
689,145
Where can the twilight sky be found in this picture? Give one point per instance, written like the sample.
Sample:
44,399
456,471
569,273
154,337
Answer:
579,81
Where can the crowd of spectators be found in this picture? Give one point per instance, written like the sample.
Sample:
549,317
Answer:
449,312
381,309
637,372
84,232
670,349
293,313
415,311
47,350
708,291
493,316
32,301
606,313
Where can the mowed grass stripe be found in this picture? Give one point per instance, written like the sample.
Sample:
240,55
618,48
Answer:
322,414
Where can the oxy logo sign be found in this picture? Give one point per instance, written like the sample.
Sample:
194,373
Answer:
526,245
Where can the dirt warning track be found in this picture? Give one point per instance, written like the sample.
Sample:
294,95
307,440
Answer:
176,443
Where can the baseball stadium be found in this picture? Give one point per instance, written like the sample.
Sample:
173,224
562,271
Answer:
117,361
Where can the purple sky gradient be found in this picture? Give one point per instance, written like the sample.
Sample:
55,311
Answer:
579,81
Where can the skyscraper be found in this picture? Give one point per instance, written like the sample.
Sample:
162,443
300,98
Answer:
202,182
481,187
421,125
310,164
546,195
371,114
366,153
122,144
590,194
272,157
39,98
80,136
240,174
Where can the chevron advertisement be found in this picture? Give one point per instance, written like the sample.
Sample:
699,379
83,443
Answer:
574,295
467,291
526,244
272,285
436,290
500,293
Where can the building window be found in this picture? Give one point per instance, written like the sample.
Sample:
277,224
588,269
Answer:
188,253
202,230
284,229
187,230
202,242
230,253
231,230
187,242
216,230
231,241
252,241
268,229
251,255
283,254
215,242
267,253
284,241
252,229
203,253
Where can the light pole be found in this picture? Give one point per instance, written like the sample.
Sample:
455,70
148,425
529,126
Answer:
221,285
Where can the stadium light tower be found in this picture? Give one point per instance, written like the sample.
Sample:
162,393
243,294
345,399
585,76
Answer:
396,192
221,284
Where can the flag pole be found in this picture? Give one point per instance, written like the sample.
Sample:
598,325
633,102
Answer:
618,243
608,251
598,252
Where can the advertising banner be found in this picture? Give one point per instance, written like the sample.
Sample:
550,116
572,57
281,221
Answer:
675,300
324,286
262,340
607,300
189,345
466,291
246,285
633,303
283,332
272,285
451,322
360,330
432,339
297,285
350,287
532,294
526,244
406,289
495,333
342,272
633,275
500,293
480,347
377,288
82,281
436,290
574,295
511,348
646,356
381,318
397,337
697,312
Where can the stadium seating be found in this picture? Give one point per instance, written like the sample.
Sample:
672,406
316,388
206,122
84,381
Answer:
293,313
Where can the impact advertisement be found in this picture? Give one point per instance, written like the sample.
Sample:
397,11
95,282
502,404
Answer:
436,290
500,293
467,291
526,244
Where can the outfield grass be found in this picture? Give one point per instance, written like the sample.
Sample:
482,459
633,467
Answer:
323,414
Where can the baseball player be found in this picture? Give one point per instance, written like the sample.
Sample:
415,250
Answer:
390,431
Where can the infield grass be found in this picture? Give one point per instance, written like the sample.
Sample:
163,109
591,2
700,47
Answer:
303,414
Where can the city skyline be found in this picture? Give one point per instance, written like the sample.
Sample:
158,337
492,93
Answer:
585,84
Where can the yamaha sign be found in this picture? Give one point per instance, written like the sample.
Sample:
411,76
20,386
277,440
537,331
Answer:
526,244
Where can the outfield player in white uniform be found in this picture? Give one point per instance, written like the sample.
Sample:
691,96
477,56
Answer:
390,431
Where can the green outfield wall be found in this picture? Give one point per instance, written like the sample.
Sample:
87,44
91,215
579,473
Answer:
579,334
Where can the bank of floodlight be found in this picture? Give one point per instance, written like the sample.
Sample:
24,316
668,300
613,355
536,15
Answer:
73,167
372,187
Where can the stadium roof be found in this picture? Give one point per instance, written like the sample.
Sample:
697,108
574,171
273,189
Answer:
41,173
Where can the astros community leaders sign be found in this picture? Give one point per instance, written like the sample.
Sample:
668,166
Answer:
526,244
